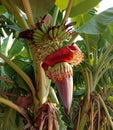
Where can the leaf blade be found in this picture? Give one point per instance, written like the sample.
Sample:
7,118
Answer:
98,23
82,6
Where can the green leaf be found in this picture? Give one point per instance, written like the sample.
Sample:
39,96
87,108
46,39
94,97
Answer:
8,24
80,92
2,9
111,27
39,7
111,74
98,23
108,35
21,83
8,120
26,67
62,4
82,6
22,74
62,125
9,70
16,49
110,98
4,45
84,17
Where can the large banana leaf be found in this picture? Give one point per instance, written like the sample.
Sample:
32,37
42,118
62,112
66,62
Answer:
82,6
38,7
98,23
79,6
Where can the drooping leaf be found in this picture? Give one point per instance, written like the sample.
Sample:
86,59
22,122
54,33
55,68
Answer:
82,6
98,23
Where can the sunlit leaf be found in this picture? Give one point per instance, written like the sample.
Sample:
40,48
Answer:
62,4
4,45
111,98
82,6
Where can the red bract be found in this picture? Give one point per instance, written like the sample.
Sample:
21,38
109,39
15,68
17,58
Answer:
65,89
64,54
70,54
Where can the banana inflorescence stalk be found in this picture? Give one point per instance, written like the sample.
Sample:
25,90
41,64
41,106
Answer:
56,56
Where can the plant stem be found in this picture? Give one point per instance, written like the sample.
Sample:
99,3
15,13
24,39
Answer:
16,12
68,10
15,107
28,11
84,115
55,14
106,110
88,82
43,85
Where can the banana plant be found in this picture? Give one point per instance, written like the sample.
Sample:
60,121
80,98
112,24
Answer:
40,58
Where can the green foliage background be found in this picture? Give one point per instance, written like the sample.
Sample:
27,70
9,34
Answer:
93,79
